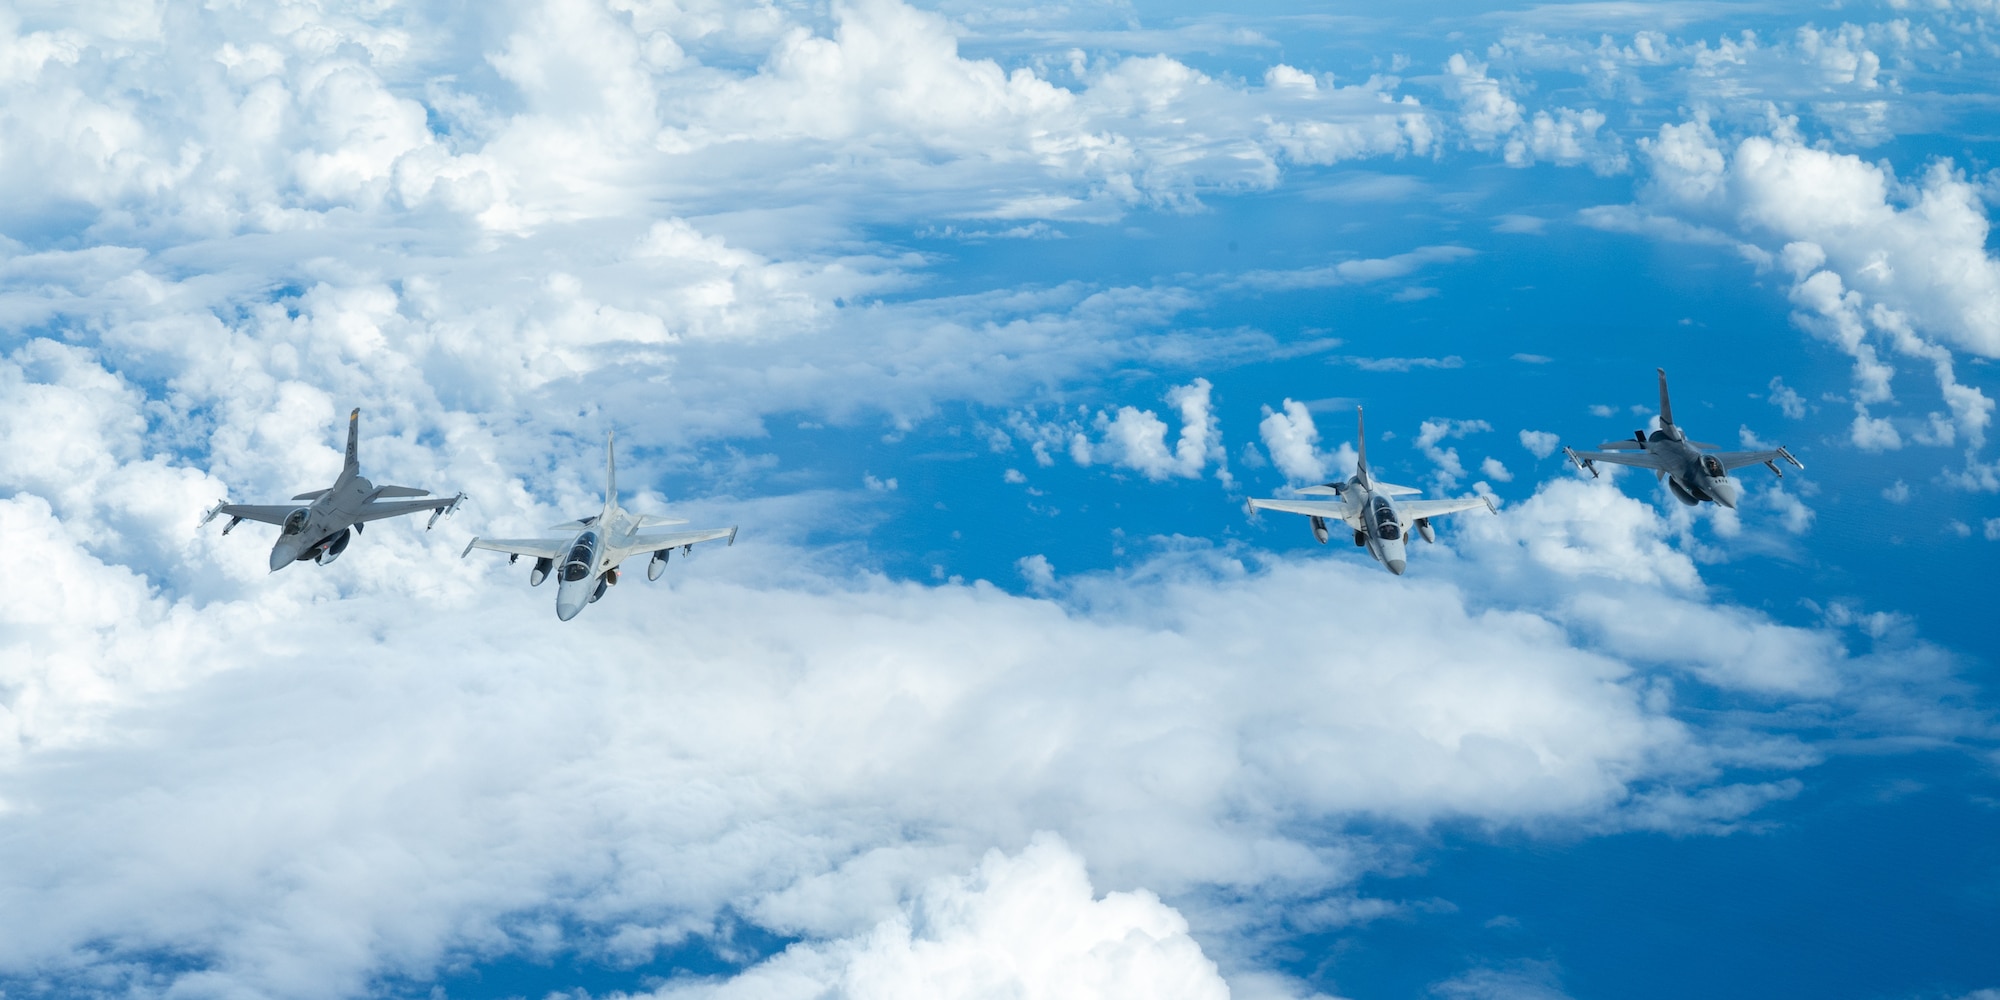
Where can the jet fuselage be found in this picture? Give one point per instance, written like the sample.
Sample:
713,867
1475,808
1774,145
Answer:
1696,477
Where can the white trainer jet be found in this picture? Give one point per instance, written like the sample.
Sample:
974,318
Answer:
1379,523
1691,475
320,528
592,549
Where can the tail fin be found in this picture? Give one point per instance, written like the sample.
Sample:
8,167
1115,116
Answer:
1361,437
1666,408
610,474
353,466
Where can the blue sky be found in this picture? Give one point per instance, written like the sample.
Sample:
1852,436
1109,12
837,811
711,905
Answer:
983,322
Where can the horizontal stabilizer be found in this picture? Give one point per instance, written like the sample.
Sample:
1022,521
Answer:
1329,490
1626,444
392,492
1703,445
313,495
1392,490
655,520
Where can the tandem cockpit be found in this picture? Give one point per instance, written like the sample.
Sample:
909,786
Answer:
1387,526
582,558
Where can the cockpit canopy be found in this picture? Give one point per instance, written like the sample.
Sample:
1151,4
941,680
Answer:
1387,526
295,522
582,558
1712,465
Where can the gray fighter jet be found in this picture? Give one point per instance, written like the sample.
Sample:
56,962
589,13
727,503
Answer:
1691,475
1368,507
592,549
320,529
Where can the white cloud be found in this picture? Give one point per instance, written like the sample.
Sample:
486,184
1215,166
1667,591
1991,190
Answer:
1897,492
1433,432
1991,528
1494,469
1037,570
1787,400
1541,444
1793,513
1137,439
1292,438
1873,258
1026,926
1490,119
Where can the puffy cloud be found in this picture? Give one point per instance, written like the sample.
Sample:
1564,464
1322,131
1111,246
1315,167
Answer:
1135,439
1026,926
1787,400
1865,268
1491,119
1432,433
1292,438
1541,443
237,779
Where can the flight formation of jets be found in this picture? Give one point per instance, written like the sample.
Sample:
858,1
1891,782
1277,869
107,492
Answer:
585,555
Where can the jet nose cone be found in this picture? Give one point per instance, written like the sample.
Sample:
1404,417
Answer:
566,610
1724,493
1396,566
280,558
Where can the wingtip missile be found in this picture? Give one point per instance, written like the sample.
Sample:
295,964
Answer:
732,536
468,547
209,514
444,511
1787,456
1582,463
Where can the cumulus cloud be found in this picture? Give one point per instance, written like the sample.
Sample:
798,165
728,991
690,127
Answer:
1873,259
1132,438
1490,119
497,237
1025,926
1432,433
1787,399
1541,444
1292,438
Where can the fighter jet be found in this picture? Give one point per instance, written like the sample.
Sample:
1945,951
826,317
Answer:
319,529
592,549
1379,523
1691,475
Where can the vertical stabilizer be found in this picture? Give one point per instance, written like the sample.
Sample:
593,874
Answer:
1361,439
610,475
1666,408
353,466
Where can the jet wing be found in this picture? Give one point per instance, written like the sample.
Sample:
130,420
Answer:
540,548
1739,459
655,541
1334,509
1413,509
376,510
1643,459
269,513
